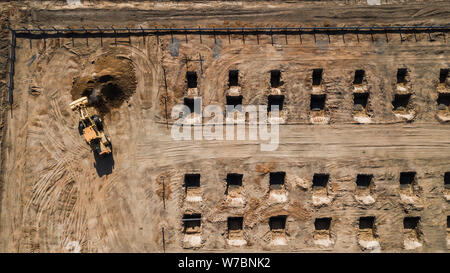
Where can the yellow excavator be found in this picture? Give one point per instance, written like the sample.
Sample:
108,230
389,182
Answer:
91,127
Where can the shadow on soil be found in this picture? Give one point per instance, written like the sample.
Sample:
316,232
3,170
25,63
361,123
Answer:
104,164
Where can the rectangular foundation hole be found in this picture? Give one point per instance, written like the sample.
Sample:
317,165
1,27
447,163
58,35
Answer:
363,180
317,76
407,178
274,100
443,101
401,75
359,76
233,78
401,101
320,180
322,223
234,179
360,100
192,223
191,78
233,190
189,102
192,180
277,223
276,179
447,179
317,102
411,222
234,100
275,78
235,224
366,222
443,74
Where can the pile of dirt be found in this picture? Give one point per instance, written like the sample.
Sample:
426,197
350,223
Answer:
107,81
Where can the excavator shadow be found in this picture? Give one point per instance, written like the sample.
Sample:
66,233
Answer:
104,164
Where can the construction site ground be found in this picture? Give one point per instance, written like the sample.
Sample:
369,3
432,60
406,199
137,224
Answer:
56,196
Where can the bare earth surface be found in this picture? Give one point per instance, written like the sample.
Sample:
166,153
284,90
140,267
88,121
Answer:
56,196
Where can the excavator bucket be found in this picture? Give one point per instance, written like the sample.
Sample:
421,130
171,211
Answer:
81,102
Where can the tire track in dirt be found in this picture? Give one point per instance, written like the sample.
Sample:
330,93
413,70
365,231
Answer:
59,195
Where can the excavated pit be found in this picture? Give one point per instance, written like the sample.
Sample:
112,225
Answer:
359,76
108,82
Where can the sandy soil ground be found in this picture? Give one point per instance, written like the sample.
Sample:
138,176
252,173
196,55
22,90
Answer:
58,197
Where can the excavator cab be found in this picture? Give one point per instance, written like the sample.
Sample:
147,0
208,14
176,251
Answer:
91,128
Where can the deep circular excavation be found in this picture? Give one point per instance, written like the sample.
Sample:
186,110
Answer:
107,82
112,92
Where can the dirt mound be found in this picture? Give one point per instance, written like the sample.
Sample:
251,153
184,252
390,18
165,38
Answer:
107,81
